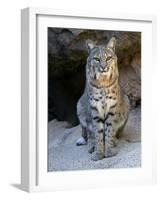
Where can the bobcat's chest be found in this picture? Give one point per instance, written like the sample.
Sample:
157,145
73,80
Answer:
102,101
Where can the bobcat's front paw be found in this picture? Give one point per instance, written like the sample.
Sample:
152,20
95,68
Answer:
110,152
97,156
81,141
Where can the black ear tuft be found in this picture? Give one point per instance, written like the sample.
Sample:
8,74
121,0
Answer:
90,45
112,43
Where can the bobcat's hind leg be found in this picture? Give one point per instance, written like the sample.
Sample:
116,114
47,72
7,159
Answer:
82,140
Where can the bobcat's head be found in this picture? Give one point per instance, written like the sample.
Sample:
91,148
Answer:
102,63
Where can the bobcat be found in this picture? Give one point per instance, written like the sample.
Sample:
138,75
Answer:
103,108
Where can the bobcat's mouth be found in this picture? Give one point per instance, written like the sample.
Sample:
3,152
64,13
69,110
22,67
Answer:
105,70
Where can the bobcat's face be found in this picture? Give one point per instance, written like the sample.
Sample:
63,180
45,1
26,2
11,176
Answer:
102,63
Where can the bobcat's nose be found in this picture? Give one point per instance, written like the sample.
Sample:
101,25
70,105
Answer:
103,68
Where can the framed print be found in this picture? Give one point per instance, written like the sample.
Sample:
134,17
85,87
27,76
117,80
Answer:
86,108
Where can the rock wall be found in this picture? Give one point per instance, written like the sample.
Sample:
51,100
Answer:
67,56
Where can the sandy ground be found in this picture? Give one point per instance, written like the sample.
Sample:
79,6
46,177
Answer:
63,154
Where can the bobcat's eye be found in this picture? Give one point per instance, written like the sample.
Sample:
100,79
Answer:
108,58
96,59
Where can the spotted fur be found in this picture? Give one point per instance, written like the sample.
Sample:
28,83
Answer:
103,108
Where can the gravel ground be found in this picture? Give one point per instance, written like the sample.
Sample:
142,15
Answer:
63,154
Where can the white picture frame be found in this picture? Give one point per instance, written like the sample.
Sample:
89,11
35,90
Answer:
34,175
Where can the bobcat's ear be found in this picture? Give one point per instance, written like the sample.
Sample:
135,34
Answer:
112,43
90,45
